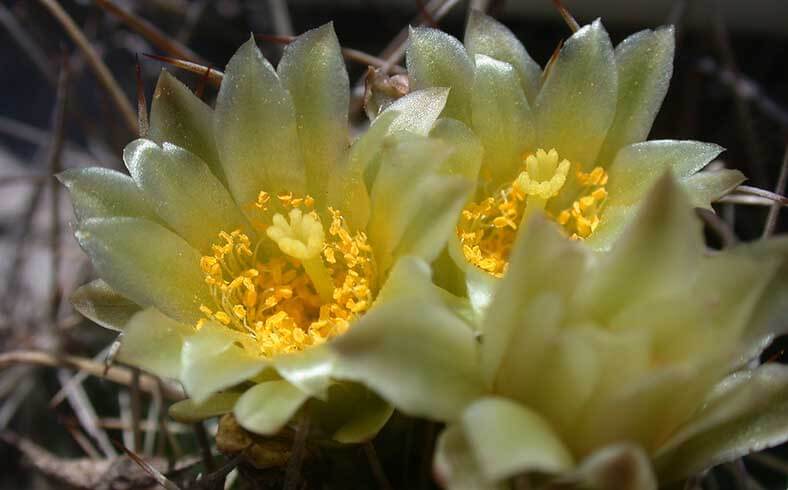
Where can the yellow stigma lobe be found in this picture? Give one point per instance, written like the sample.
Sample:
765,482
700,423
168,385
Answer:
488,228
307,290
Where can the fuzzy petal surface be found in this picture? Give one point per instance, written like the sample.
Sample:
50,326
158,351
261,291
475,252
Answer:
266,407
186,193
179,117
313,71
485,35
436,59
502,118
100,303
147,263
645,64
256,129
98,192
577,102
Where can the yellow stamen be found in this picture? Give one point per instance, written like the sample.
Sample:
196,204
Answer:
312,291
487,229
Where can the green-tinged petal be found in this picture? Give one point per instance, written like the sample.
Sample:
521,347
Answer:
646,411
179,117
313,71
348,185
212,360
188,411
509,439
455,465
266,407
577,102
350,413
636,167
466,158
417,111
400,198
147,263
543,261
153,342
255,126
410,278
436,59
769,315
98,192
431,211
363,425
617,467
746,412
540,357
704,188
662,242
100,303
502,118
485,35
309,371
645,65
405,351
184,191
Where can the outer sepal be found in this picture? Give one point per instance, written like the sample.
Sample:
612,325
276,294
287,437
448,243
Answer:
100,303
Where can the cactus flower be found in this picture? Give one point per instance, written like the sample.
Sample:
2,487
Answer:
608,371
568,141
250,236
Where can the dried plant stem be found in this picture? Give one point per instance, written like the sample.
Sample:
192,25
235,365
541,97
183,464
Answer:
115,374
567,16
100,69
54,164
205,446
211,74
377,468
293,472
774,211
149,32
348,53
23,39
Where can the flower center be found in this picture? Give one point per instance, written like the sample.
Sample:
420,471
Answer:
487,228
308,288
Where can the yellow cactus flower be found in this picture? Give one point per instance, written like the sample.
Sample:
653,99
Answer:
569,140
589,370
250,236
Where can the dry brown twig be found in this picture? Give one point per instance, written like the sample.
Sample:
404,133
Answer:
116,374
100,69
774,211
150,32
